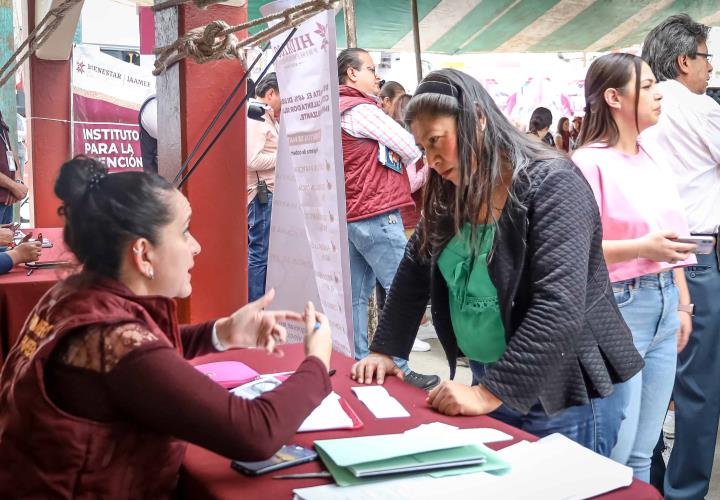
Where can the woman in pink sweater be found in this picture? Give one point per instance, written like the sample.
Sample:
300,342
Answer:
642,217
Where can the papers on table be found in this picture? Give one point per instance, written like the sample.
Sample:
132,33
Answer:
380,402
478,435
331,414
556,467
552,468
436,449
431,460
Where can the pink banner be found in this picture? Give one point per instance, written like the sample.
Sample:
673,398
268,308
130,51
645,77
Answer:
107,96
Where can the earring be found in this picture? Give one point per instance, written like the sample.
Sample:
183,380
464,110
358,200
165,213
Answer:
151,274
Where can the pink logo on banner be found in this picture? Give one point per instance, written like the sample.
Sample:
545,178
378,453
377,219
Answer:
322,31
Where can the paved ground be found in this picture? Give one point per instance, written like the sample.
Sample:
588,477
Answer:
434,362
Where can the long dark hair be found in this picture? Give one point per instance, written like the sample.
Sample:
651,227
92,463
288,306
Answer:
565,134
611,71
481,156
105,212
400,108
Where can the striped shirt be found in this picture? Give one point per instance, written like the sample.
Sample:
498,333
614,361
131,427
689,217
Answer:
366,121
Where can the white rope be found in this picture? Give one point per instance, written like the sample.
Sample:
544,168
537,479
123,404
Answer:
36,38
216,40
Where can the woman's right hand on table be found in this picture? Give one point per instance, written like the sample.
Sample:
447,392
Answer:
375,365
660,247
29,251
318,337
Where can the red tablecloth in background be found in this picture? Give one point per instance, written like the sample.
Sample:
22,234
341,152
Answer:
207,475
19,292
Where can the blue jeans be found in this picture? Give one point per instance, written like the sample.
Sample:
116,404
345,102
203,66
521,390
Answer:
649,306
376,246
6,214
697,392
258,242
593,425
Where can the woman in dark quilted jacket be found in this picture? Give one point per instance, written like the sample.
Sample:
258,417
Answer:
509,250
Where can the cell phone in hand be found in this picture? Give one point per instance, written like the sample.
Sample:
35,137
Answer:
705,244
287,456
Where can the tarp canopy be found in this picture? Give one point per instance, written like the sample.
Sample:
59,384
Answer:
475,26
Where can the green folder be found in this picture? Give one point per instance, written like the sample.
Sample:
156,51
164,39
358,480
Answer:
355,450
458,460
430,460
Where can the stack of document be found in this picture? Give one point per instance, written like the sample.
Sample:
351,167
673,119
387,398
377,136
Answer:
353,461
550,469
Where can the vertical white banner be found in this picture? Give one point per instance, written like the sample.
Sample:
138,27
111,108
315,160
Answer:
308,257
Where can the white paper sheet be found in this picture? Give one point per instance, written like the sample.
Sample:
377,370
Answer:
380,402
329,415
475,435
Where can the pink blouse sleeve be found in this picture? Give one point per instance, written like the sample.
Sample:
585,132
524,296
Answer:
592,174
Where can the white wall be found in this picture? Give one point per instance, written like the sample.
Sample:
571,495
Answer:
110,22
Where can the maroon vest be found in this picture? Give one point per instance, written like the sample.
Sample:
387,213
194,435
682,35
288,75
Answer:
370,187
46,453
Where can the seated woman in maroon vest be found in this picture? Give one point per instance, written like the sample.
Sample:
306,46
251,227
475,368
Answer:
96,398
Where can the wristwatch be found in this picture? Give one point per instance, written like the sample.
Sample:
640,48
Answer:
688,308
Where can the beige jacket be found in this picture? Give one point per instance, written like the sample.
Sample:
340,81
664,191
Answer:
262,144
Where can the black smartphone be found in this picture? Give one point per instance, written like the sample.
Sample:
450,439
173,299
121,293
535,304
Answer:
287,456
263,192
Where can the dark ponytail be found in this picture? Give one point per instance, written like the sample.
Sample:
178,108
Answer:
541,118
105,212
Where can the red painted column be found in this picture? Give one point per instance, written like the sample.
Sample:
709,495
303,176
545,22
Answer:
146,22
217,189
48,84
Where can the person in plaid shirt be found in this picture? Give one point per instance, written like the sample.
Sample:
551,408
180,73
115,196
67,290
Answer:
376,153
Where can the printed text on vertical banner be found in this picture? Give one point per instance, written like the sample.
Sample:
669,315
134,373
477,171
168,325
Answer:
308,257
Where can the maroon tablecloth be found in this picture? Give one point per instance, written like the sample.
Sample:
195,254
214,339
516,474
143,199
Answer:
19,292
207,475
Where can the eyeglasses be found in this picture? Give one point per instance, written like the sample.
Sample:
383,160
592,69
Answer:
371,69
708,57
